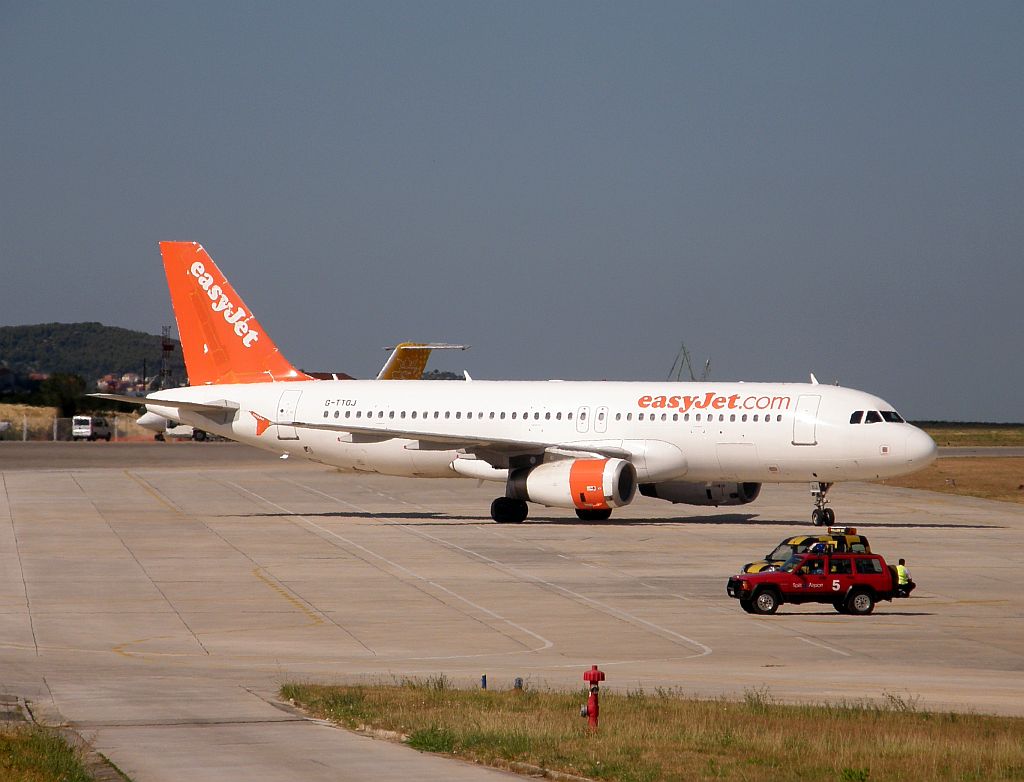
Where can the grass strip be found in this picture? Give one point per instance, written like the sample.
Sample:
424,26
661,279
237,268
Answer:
646,737
30,753
996,478
975,435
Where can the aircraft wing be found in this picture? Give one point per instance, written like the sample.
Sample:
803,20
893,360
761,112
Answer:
492,449
218,406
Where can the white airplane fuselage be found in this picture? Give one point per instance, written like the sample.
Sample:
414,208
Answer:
588,446
757,432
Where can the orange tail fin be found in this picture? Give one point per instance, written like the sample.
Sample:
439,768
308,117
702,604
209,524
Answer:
221,340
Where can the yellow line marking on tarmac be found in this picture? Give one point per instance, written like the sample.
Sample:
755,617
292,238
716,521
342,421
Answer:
153,492
315,618
122,649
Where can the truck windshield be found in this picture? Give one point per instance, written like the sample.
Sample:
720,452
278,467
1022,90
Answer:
792,564
783,552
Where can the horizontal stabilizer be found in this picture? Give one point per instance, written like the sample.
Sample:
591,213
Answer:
217,406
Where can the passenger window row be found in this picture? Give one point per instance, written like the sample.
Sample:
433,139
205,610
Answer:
536,416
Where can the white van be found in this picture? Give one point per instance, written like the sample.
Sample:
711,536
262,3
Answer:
90,427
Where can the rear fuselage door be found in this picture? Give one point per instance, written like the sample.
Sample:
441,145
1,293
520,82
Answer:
286,412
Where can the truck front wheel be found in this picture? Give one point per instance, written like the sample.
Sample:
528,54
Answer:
860,603
766,602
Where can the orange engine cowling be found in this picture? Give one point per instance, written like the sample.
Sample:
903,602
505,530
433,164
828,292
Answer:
586,484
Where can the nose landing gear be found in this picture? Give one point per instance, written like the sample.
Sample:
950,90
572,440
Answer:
822,515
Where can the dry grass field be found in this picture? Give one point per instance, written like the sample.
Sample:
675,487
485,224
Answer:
39,420
996,478
29,753
976,435
37,423
647,737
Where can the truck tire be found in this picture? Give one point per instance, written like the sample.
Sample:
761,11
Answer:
840,606
748,606
199,435
860,603
766,601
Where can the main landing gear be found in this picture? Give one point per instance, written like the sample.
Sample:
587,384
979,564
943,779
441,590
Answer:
506,510
821,516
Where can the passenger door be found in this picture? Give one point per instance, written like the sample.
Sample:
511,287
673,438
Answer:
805,420
286,412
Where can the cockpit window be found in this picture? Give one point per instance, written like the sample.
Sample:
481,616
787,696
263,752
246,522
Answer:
873,417
892,417
857,415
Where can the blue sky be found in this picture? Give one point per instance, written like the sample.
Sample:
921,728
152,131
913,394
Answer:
572,188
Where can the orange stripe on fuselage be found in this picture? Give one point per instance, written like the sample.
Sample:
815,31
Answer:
586,482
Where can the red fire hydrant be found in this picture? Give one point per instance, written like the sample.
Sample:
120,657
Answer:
592,709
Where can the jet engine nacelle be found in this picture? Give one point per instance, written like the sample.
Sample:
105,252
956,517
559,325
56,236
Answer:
588,484
690,493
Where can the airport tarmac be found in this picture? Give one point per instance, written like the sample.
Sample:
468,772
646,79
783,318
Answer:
155,596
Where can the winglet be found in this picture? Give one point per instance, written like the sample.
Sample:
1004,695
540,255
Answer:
221,339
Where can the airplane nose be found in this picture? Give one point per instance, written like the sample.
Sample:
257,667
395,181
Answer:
921,449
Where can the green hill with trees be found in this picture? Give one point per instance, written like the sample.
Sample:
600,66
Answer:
89,350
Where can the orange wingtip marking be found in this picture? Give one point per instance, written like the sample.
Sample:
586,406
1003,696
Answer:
262,424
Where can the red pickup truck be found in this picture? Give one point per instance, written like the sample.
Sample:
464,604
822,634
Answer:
852,583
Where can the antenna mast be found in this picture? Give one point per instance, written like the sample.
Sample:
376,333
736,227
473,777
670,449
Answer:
682,362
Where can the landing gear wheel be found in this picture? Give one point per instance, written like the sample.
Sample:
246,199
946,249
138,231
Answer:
821,515
593,514
506,510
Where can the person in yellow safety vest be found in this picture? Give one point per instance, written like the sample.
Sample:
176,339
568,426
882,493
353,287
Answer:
905,583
